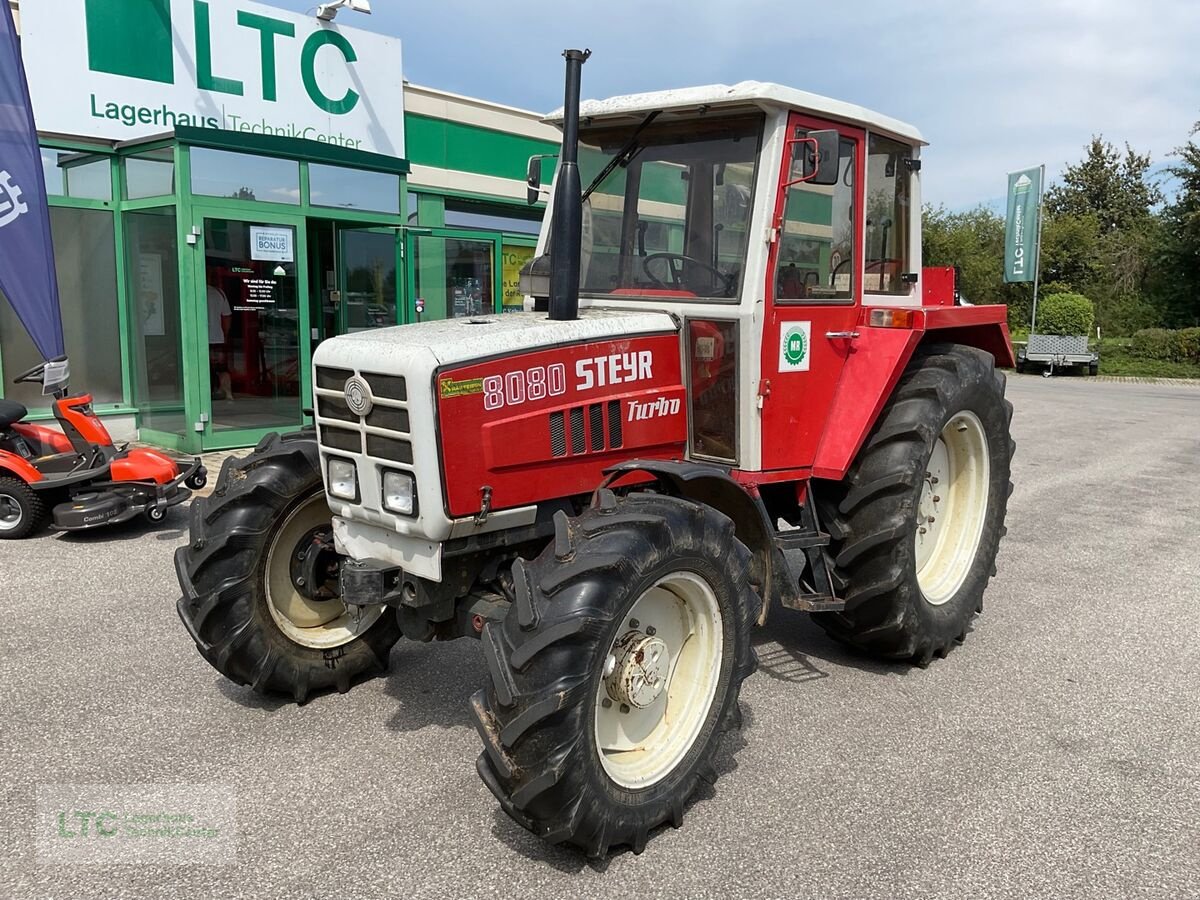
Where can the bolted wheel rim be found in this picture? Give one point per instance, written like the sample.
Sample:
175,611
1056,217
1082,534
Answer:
952,508
317,623
659,680
10,513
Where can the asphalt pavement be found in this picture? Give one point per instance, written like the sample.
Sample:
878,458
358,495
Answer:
1055,754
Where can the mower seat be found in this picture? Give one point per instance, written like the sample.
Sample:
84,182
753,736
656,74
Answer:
11,411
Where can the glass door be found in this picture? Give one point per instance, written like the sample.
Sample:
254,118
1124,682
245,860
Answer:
453,274
255,311
368,283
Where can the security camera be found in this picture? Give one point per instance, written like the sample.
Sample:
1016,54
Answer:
327,11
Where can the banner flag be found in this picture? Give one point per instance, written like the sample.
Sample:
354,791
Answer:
27,276
1021,244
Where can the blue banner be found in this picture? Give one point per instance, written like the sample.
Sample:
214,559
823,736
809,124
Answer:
27,276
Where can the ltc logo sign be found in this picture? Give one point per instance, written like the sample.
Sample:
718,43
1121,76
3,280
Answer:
11,204
124,68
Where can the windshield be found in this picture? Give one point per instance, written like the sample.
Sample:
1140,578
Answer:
674,213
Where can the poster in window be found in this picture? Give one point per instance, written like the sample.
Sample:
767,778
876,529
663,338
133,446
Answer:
513,260
272,244
150,294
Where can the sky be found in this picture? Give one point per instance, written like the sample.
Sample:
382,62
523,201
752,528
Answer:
993,86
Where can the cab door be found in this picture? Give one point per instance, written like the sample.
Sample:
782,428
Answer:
814,294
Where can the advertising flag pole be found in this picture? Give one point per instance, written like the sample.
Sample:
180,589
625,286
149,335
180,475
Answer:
1037,257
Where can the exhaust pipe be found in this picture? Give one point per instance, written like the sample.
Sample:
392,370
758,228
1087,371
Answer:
567,232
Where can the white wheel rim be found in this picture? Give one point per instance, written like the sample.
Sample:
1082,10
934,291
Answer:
320,624
10,513
952,508
660,678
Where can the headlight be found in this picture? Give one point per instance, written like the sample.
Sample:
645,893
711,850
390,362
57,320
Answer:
399,493
343,479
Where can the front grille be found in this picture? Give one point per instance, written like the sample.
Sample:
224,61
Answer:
391,449
383,434
558,435
341,439
614,424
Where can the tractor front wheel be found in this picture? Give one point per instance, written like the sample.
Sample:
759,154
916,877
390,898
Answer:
917,522
616,670
260,579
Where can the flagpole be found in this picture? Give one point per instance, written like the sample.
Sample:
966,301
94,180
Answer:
1037,259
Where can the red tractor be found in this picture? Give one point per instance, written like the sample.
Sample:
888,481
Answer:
736,389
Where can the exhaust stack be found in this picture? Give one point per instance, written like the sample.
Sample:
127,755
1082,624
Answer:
566,234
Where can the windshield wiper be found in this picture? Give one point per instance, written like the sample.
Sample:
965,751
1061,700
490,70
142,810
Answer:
623,157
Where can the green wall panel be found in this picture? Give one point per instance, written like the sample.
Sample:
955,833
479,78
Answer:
452,145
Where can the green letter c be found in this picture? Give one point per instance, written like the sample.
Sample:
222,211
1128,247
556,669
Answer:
308,57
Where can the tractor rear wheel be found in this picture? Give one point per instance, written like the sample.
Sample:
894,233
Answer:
259,580
22,510
616,670
916,523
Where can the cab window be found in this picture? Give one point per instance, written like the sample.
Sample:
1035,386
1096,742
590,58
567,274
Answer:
816,240
888,216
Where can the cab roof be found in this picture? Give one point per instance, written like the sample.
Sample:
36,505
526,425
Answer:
744,93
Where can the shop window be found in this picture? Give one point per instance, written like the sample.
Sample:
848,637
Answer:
343,188
243,176
888,211
85,260
816,246
460,214
152,270
86,176
150,174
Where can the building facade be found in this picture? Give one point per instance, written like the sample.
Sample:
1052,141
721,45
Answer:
199,266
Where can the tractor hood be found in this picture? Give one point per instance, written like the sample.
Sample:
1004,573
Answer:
427,346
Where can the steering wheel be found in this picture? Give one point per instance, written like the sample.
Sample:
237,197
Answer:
27,375
675,263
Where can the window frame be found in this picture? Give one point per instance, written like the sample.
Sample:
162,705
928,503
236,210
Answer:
799,120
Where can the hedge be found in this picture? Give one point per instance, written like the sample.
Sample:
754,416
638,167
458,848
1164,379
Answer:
1161,343
1065,314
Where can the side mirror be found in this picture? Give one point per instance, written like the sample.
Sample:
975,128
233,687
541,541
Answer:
533,180
816,158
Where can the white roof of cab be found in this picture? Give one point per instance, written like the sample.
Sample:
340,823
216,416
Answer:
758,93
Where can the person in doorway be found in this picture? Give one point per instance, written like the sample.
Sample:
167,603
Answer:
219,317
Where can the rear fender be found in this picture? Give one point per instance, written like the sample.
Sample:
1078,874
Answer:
18,467
877,362
47,440
713,486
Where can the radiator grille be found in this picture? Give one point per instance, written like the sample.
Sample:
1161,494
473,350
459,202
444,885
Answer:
586,432
384,433
558,435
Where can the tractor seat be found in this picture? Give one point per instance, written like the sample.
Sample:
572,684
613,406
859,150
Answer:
11,411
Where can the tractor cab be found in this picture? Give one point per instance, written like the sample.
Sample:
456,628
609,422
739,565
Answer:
765,219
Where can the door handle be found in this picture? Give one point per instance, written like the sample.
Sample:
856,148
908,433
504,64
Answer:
847,335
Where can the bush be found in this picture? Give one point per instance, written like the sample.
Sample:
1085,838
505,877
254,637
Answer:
1065,314
1161,343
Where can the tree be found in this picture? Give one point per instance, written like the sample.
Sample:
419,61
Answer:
1113,188
1177,270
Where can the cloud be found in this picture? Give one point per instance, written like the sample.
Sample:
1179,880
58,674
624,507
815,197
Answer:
993,86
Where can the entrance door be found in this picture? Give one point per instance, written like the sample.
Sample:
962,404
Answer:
453,275
255,310
368,286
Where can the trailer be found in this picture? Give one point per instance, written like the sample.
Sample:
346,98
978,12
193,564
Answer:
1058,350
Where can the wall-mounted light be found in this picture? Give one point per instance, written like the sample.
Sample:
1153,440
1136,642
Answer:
327,11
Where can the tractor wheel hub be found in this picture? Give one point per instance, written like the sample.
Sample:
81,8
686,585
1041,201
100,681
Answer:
637,670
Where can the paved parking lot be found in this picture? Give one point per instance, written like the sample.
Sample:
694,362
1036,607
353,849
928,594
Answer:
1055,754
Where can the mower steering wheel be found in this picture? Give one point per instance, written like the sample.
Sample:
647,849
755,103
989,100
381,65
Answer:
26,376
675,262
